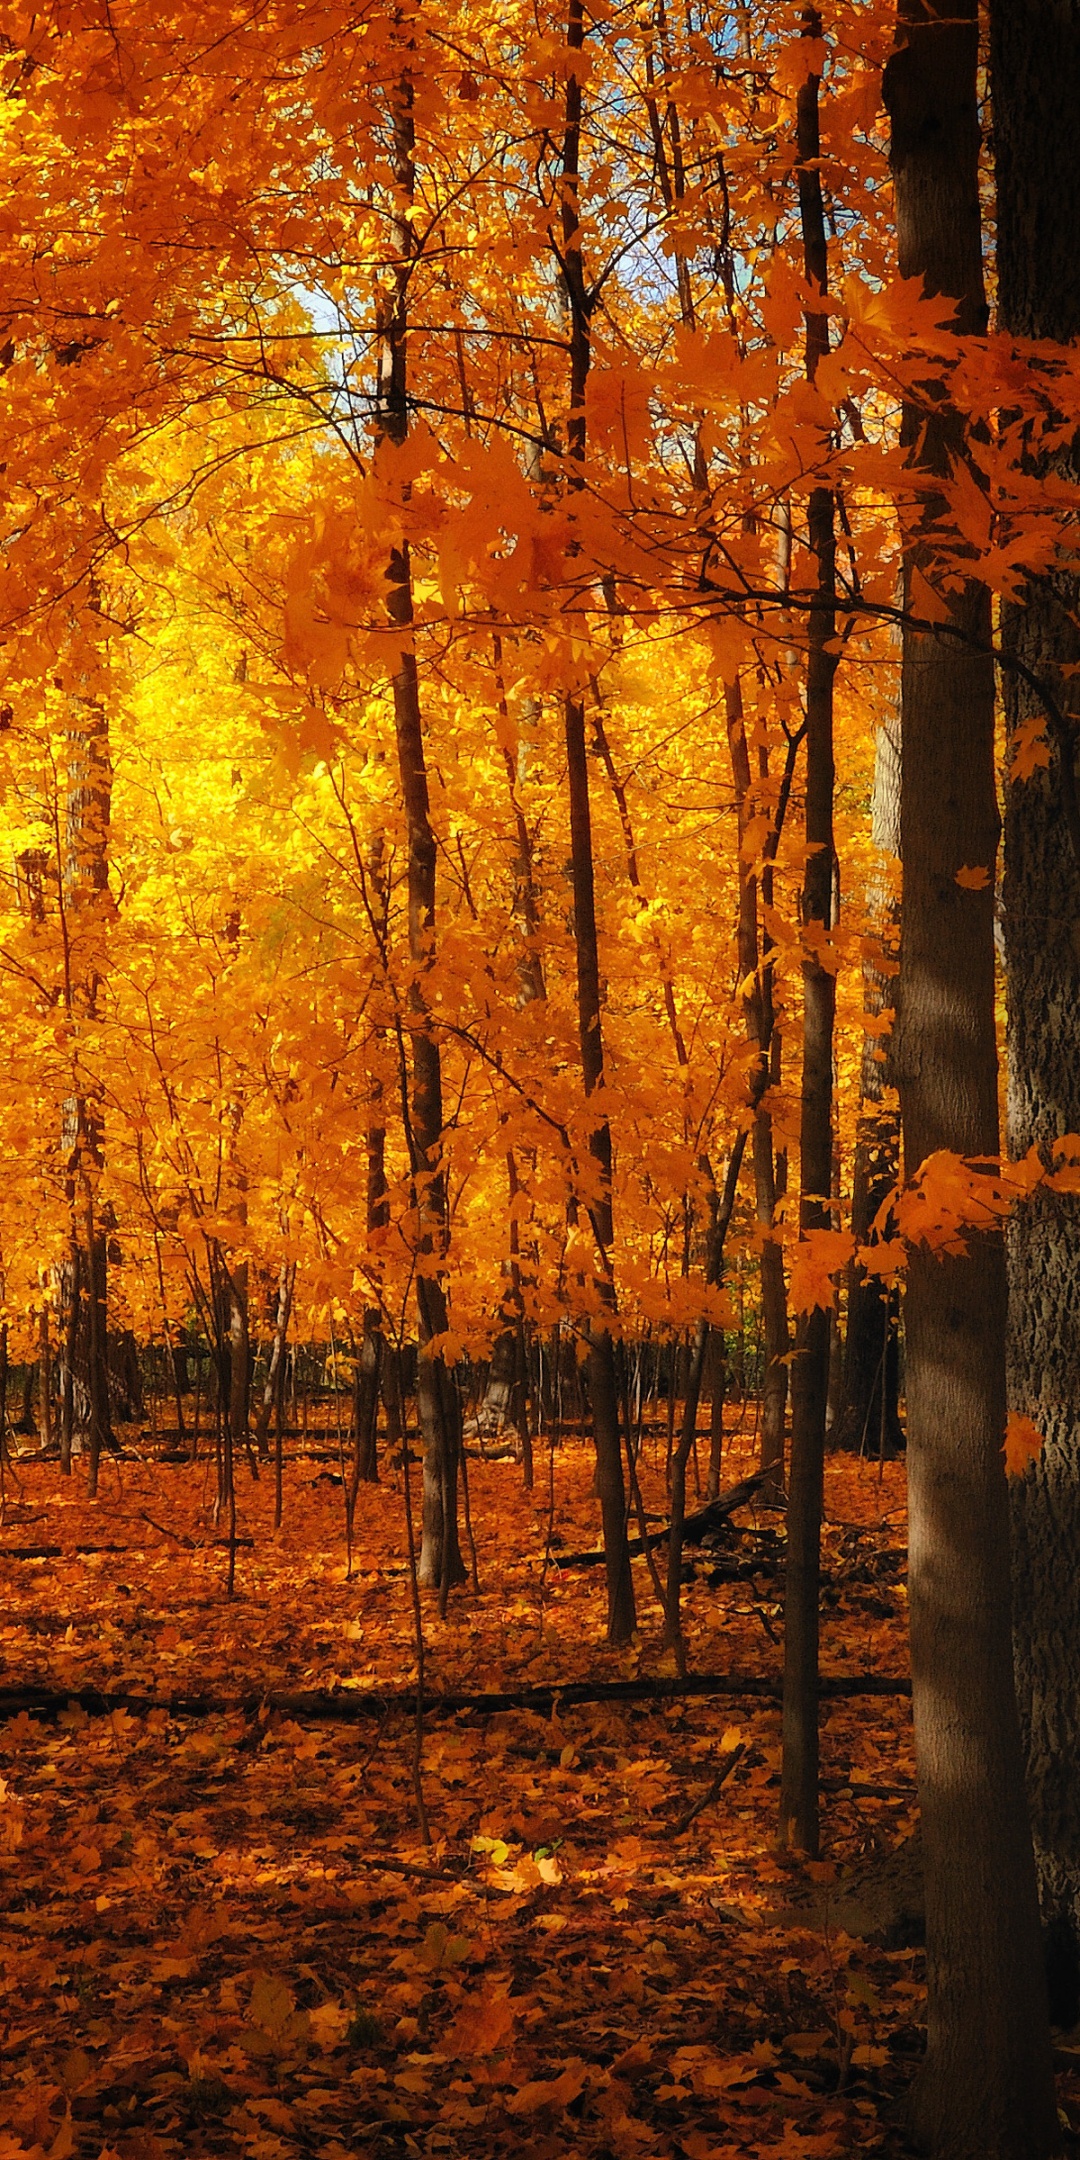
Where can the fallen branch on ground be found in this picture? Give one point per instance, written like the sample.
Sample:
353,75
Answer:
695,1526
349,1705
711,1792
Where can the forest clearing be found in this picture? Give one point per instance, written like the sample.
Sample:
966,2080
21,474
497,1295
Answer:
225,1934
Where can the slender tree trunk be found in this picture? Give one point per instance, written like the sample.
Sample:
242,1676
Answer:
810,1372
369,1370
603,1387
756,973
275,1370
441,1564
1035,59
986,2089
723,1207
506,1396
45,1378
86,910
869,1419
239,1349
716,1381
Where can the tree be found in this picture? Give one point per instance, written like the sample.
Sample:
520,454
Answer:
810,1375
986,2088
1035,55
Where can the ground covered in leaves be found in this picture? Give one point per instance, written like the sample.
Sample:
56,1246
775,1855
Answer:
225,1934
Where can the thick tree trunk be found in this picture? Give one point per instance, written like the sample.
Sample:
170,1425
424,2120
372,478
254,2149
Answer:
810,1372
986,2089
1035,58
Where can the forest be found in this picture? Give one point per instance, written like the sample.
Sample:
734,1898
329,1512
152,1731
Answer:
539,969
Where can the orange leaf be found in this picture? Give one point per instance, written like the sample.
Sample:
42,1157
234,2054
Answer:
554,2092
1023,1441
816,1261
973,879
1029,749
482,2027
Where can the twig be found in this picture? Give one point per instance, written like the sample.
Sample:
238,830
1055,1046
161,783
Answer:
416,1763
711,1792
386,1866
177,1534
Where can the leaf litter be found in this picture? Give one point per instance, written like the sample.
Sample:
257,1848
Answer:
225,1936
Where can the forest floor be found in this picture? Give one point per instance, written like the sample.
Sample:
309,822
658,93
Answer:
224,1934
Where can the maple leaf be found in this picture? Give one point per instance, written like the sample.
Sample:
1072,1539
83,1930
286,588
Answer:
554,2092
816,1261
440,1949
277,2028
1029,749
482,2026
1023,1442
973,878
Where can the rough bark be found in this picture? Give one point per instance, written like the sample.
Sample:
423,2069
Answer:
1035,60
986,2088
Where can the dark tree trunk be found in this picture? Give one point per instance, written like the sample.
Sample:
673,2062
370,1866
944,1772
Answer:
441,1564
274,1384
600,1364
1035,58
810,1372
755,970
716,1382
86,914
369,1370
869,1420
986,2088
45,1382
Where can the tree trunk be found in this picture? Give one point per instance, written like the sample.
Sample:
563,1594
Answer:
273,1386
441,1564
1035,60
86,912
45,1379
986,2088
810,1372
239,1349
869,1417
716,1381
600,1364
756,973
